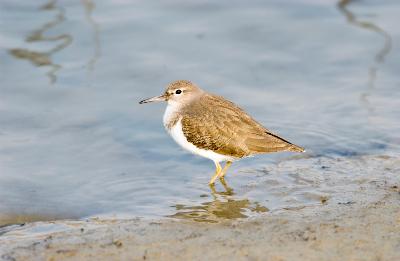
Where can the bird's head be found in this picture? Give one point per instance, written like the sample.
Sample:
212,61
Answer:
178,92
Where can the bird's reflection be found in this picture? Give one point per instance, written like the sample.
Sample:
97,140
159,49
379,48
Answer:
379,56
223,206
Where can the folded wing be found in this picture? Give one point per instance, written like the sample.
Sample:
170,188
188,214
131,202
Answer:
219,125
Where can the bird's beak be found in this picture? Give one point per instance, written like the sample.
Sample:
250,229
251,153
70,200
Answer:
155,99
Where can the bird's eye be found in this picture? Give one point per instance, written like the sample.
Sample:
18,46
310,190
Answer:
178,91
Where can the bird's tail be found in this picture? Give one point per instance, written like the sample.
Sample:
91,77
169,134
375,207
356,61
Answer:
296,148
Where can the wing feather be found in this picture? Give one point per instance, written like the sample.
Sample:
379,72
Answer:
214,123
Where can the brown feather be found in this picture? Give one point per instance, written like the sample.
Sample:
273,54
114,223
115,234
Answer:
213,123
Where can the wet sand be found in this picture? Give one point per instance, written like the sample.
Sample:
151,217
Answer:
361,230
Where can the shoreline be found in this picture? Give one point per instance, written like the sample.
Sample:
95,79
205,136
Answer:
355,231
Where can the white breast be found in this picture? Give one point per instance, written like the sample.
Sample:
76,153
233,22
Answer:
177,134
170,112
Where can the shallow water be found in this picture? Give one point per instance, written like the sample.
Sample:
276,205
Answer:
75,143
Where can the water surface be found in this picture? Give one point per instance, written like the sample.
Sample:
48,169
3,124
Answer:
75,143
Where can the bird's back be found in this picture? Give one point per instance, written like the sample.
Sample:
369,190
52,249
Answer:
216,124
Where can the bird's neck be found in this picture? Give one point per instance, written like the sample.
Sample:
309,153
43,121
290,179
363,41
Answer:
172,115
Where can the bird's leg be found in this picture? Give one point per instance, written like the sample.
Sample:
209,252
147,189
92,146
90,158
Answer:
228,190
218,170
223,171
213,191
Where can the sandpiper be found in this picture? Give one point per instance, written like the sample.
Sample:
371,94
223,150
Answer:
215,128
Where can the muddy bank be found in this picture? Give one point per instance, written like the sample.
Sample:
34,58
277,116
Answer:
346,231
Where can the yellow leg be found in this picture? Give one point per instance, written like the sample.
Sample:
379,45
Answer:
228,190
218,170
223,171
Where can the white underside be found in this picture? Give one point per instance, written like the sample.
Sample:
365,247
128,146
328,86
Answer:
177,134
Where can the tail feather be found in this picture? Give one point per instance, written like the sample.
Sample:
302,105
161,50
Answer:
296,148
291,146
269,142
268,145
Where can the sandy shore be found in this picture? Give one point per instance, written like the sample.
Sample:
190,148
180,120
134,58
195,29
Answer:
332,231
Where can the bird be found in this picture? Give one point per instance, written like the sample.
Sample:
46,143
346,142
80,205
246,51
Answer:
212,127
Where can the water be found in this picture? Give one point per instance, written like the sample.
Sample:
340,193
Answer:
75,143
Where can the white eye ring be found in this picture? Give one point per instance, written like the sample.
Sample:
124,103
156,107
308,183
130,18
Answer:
178,91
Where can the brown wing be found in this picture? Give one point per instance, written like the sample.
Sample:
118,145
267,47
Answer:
216,124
